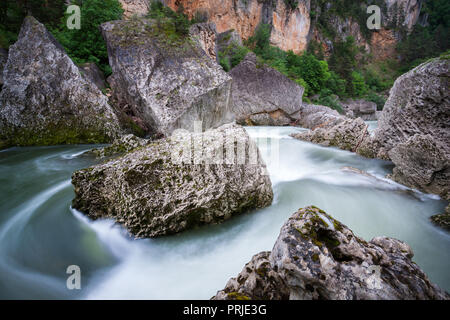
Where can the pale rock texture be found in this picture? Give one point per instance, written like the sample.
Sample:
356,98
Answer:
312,116
251,96
318,258
134,7
164,82
414,128
348,134
177,183
45,100
206,35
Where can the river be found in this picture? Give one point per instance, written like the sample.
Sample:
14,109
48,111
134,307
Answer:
40,235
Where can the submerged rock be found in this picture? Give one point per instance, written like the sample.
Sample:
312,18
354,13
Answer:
177,183
259,89
443,219
45,100
163,78
317,257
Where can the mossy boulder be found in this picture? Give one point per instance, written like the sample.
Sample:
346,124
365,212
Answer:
177,183
45,100
317,257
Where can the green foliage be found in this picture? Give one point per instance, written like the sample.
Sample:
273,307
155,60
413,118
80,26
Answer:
87,44
429,41
359,86
327,98
232,55
343,61
12,13
335,84
291,4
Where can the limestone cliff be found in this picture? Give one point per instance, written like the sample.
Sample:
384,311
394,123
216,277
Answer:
294,28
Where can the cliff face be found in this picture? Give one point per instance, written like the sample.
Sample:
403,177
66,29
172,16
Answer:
292,29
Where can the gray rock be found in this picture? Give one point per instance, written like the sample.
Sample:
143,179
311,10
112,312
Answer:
94,74
3,59
317,257
312,116
348,135
257,89
443,219
422,163
360,108
120,146
414,128
418,104
155,191
206,35
45,100
276,118
166,81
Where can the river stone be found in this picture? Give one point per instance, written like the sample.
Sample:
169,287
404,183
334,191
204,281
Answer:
313,116
443,219
361,108
421,162
257,89
346,135
166,80
152,193
317,257
45,100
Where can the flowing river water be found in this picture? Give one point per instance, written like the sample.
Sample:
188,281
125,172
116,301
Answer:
40,235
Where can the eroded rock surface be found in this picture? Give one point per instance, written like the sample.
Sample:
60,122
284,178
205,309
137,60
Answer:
349,134
414,128
251,95
45,100
206,35
177,183
317,257
168,82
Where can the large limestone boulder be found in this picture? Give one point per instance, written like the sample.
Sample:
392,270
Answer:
258,89
414,128
163,78
177,183
317,257
45,100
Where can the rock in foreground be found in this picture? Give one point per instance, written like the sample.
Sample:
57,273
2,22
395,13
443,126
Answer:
177,183
317,257
45,100
165,79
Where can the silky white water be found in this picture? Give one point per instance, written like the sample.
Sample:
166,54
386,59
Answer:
40,235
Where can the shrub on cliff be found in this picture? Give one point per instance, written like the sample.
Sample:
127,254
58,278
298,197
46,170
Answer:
87,44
